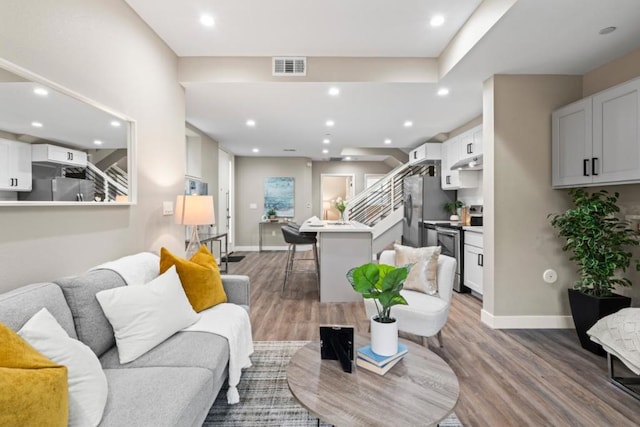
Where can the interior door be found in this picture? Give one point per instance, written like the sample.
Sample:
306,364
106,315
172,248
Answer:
225,196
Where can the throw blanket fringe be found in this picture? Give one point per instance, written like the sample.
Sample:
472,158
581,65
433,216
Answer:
137,269
232,322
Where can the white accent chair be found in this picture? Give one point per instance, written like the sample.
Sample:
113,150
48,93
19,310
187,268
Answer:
425,315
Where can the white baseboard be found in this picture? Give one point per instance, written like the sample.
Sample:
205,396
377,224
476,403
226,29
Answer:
264,248
526,322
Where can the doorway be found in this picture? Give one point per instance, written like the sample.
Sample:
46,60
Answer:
333,186
226,197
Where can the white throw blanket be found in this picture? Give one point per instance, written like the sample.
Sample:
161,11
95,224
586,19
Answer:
232,322
619,334
137,269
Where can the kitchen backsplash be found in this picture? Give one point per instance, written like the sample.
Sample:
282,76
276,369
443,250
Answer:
472,196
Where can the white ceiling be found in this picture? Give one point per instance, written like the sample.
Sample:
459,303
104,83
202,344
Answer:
533,37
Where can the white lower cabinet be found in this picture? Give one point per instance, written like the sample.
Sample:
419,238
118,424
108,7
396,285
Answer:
473,260
15,166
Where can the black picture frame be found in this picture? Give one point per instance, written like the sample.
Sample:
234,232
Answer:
336,343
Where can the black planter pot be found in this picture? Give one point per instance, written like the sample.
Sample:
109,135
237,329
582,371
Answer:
587,310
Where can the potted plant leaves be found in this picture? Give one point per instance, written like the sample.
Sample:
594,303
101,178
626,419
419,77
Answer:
600,244
383,284
271,213
452,208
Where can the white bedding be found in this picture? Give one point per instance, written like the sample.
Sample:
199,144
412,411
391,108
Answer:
619,334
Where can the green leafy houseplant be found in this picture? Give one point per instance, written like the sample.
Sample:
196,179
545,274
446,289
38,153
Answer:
271,212
382,283
452,207
598,241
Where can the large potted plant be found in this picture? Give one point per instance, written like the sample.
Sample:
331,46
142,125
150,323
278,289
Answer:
383,284
600,244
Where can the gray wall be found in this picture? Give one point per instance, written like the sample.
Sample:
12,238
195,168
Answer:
102,50
359,169
250,173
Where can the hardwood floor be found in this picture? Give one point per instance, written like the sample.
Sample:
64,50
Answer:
507,377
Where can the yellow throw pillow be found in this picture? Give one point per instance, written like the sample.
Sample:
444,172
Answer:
423,274
33,389
200,277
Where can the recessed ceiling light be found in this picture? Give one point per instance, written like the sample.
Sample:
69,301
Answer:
207,20
437,20
607,30
115,123
348,158
41,91
256,150
408,123
387,141
97,142
325,151
334,91
326,141
330,123
443,91
36,124
251,123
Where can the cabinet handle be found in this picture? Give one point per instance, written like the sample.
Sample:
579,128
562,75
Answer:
594,166
469,149
448,179
415,155
481,260
585,167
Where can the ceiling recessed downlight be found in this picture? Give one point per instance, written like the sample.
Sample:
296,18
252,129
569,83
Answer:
326,141
437,20
348,158
207,20
251,123
97,142
36,124
443,91
41,91
334,91
115,123
325,151
256,150
387,141
607,30
408,123
330,123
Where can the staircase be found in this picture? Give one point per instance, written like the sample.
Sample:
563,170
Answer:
381,206
111,183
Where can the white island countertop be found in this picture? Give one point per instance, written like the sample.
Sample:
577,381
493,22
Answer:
334,227
473,228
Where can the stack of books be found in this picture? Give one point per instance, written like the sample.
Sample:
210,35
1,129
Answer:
373,362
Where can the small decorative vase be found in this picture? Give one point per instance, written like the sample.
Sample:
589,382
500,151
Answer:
341,216
454,218
384,337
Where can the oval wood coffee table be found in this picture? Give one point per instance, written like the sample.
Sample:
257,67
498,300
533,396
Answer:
420,390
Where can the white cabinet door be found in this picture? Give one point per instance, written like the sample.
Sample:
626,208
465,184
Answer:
449,178
473,264
571,144
476,145
616,137
47,153
15,166
418,154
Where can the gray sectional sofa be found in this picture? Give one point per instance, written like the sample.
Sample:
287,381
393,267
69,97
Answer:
174,384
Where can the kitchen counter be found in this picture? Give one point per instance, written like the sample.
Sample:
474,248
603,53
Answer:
473,228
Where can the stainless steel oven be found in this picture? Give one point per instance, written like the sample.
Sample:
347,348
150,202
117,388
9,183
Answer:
450,241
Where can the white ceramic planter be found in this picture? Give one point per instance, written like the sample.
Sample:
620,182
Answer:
384,337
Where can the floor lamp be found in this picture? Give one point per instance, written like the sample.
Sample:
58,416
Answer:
194,211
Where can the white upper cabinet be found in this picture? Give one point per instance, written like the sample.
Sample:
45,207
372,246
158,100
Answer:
476,143
47,153
596,140
454,150
15,166
427,151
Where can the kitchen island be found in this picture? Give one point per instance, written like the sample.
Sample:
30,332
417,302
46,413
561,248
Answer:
343,245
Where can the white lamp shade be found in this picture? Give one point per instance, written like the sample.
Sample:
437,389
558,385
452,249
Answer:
194,210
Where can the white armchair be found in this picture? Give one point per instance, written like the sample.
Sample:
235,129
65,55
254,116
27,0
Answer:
425,315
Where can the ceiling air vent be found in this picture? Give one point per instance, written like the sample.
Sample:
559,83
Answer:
335,159
289,66
289,149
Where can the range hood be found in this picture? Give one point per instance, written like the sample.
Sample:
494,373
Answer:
469,164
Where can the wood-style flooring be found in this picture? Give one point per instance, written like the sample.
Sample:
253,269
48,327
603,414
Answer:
507,377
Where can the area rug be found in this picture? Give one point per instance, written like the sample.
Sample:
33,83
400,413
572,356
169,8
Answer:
265,399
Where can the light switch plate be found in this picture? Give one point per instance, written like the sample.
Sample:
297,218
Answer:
253,206
167,208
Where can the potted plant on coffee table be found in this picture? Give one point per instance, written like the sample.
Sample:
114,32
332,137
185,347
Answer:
383,284
599,244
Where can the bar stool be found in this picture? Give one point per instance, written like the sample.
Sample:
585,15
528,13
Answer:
294,237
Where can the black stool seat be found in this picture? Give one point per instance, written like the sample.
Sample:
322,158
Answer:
293,237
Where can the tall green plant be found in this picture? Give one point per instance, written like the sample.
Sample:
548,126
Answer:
598,241
382,283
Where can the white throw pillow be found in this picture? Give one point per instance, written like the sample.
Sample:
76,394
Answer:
87,382
423,276
143,316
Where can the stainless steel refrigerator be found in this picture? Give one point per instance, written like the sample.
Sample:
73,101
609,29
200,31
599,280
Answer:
424,199
60,189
